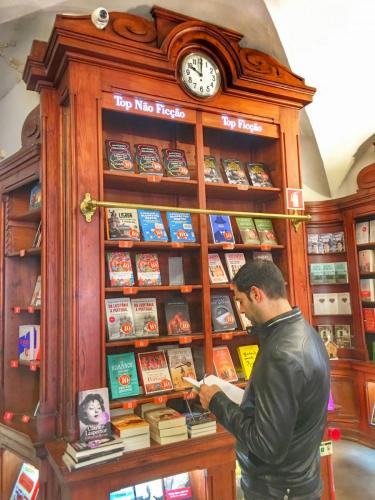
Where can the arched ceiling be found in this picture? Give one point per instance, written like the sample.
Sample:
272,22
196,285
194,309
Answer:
328,42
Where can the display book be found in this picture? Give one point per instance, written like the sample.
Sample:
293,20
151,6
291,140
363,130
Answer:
26,486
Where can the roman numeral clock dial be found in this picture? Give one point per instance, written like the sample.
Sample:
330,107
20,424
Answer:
200,74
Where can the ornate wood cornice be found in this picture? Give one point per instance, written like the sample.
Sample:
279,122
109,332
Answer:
135,42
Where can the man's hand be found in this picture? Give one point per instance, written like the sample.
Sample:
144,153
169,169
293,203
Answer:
206,392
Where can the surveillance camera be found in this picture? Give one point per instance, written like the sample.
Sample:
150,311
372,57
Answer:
100,18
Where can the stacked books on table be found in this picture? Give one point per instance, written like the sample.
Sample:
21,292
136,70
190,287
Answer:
200,423
166,425
133,431
82,454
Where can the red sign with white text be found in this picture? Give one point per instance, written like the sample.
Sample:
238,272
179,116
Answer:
294,199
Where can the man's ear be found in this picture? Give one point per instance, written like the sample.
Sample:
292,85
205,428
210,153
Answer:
256,294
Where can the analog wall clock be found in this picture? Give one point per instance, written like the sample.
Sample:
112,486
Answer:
200,74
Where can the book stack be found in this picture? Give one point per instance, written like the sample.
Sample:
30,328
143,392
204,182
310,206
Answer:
200,423
166,425
82,454
133,431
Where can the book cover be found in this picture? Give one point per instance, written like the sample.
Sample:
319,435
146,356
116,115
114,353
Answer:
127,493
338,241
216,270
152,225
180,227
165,418
174,438
211,170
316,274
148,159
341,272
145,315
329,273
38,236
366,261
247,230
79,450
262,256
372,231
343,303
72,465
367,289
36,298
175,163
312,243
122,224
245,322
326,332
266,231
234,172
28,342
120,269
148,271
325,304
93,414
126,426
150,490
119,156
181,365
35,197
119,315
122,374
362,232
247,355
325,242
223,364
176,271
178,487
342,336
234,263
177,317
259,175
155,373
221,228
222,313
26,486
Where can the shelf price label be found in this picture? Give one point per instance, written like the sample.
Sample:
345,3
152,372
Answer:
153,178
14,363
186,289
129,405
190,394
186,339
159,400
8,416
265,248
16,309
226,336
177,244
141,343
34,365
326,448
131,290
30,309
228,246
125,244
22,252
25,419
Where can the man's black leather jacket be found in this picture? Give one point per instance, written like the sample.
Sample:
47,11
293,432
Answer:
280,422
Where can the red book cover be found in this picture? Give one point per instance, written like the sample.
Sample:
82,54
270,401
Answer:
223,364
153,368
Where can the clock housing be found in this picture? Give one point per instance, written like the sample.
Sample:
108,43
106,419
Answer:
200,74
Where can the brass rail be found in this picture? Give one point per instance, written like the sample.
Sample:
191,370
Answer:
88,207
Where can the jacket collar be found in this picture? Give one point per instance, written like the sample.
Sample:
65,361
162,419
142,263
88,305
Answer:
265,329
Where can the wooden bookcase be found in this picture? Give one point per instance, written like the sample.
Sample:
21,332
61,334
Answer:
353,374
123,83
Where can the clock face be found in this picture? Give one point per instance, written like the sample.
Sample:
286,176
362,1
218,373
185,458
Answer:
200,74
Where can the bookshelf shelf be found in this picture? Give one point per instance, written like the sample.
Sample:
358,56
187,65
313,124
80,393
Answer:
230,192
171,339
157,245
140,289
27,252
29,216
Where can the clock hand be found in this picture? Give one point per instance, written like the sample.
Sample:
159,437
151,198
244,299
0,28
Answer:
198,72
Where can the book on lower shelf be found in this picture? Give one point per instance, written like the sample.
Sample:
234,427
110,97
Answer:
26,486
366,261
342,336
234,262
152,226
145,315
176,271
119,317
177,317
148,271
247,230
94,415
122,374
131,425
36,298
216,271
223,364
122,224
127,493
266,231
167,425
178,487
180,227
107,457
120,269
222,314
362,231
221,228
181,364
149,490
28,342
81,450
245,322
247,355
154,372
367,289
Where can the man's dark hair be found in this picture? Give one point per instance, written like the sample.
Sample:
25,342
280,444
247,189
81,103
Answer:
263,274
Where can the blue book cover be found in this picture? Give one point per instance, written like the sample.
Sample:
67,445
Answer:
152,226
123,378
221,229
180,227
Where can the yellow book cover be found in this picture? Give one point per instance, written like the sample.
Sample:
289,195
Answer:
247,355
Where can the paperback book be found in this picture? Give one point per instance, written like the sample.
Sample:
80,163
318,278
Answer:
177,317
247,230
181,365
94,415
216,269
122,224
129,426
127,493
234,172
221,228
149,490
178,487
120,269
176,271
81,450
154,372
338,242
28,342
180,227
362,232
341,272
325,243
38,236
316,274
247,355
122,373
26,486
211,170
165,418
36,299
326,333
259,175
148,271
313,243
148,159
343,337
366,261
234,263
35,197
152,225
119,315
222,314
223,364
119,156
175,163
145,317
266,231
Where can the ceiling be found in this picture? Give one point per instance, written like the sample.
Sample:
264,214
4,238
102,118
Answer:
328,42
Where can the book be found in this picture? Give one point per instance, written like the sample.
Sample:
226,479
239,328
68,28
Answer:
127,493
247,355
342,336
36,298
127,426
259,175
176,271
366,261
234,172
119,316
221,229
145,317
247,230
181,365
151,490
222,314
26,486
152,225
122,224
122,375
177,317
137,442
211,170
367,289
316,274
35,201
325,243
72,465
312,243
369,318
262,256
28,342
325,303
245,322
338,242
234,263
329,273
93,413
79,449
120,269
341,272
343,303
148,159
266,231
180,227
178,487
119,156
216,270
148,271
223,364
362,232
143,408
372,231
233,392
38,236
165,418
326,332
175,163
154,372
